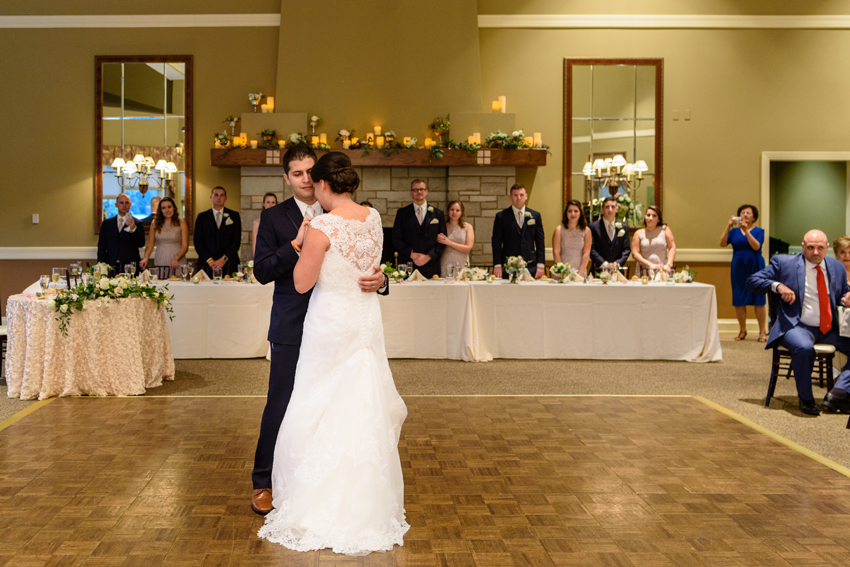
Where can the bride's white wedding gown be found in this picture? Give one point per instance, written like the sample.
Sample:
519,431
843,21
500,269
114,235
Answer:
337,480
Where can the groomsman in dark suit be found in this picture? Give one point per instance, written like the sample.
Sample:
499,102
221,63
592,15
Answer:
120,237
518,231
281,231
610,238
218,235
415,232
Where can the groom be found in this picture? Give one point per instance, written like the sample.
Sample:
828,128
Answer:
274,260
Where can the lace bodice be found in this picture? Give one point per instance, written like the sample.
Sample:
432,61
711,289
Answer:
355,247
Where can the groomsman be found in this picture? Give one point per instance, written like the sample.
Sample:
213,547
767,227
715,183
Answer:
415,232
218,235
610,242
518,231
120,237
274,261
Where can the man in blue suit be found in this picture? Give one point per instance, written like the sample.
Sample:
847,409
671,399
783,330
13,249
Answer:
415,231
811,287
518,231
281,231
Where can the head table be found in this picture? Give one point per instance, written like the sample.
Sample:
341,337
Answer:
117,348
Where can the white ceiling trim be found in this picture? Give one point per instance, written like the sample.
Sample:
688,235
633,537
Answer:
661,21
144,21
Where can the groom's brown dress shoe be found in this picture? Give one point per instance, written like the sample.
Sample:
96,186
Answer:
261,502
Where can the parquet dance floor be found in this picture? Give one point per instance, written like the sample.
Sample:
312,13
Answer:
489,481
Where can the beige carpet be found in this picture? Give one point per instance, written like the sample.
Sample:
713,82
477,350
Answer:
739,383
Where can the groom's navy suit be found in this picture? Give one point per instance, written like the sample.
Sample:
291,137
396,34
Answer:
274,261
604,249
511,240
788,331
409,236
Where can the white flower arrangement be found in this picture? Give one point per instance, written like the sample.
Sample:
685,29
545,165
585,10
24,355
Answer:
473,274
411,143
389,134
255,97
514,266
250,263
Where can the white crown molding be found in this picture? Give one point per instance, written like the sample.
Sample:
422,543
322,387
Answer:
61,253
144,21
660,21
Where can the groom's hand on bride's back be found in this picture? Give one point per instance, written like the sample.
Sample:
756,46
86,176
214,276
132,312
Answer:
373,282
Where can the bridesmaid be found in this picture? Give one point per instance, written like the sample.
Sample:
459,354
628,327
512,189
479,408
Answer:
170,235
841,249
572,240
459,241
653,246
746,241
269,201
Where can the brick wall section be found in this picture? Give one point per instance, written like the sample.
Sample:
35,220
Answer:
483,191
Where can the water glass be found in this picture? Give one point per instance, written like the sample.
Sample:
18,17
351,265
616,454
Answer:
44,282
216,275
450,273
130,269
86,278
184,271
55,274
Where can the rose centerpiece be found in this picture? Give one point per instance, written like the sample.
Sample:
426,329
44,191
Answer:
514,266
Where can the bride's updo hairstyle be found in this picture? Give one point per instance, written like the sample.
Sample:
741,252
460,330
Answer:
334,168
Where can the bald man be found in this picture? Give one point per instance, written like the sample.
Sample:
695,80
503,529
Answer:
810,287
120,237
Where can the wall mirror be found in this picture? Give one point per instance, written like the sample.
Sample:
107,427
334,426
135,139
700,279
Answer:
613,110
143,126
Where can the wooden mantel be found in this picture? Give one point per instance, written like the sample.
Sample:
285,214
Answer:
404,158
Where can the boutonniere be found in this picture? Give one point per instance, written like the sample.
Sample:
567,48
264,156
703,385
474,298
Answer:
527,215
434,221
226,215
228,221
621,233
531,222
430,209
618,224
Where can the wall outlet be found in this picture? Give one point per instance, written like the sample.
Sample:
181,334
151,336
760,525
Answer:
687,114
35,218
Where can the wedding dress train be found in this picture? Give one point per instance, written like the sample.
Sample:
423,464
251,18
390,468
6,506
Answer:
337,480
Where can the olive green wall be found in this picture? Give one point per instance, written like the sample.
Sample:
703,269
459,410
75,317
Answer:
690,7
748,91
48,144
806,195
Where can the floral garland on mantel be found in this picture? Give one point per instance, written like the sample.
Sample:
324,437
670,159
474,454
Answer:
107,289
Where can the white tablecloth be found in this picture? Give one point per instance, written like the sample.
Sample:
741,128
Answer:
226,320
116,348
546,320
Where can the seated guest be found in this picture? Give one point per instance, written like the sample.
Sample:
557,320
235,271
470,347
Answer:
610,242
269,201
170,234
572,239
218,235
518,231
653,246
810,286
120,237
154,207
415,232
841,249
459,241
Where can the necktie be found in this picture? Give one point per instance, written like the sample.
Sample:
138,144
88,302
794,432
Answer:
610,230
120,224
823,301
218,219
309,213
519,218
419,215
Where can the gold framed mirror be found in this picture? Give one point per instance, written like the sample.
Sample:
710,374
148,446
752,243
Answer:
613,108
143,133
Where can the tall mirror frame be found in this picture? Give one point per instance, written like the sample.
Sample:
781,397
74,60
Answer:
571,169
186,139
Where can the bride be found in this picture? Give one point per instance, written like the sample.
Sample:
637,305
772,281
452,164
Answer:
337,480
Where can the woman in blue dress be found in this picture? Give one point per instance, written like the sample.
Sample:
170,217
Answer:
747,259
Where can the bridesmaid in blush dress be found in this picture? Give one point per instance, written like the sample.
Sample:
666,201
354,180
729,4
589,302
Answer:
459,241
170,235
653,246
746,241
572,240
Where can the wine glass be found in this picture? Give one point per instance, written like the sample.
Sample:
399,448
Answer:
130,269
409,268
44,282
450,273
86,278
216,275
184,271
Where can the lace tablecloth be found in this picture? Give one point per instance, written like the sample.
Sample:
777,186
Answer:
112,349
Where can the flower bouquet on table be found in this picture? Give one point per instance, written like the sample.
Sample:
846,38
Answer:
99,269
105,289
248,268
394,274
684,276
515,266
473,274
561,272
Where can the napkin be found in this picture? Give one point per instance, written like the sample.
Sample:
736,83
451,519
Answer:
146,276
575,277
416,277
618,277
201,275
526,277
661,276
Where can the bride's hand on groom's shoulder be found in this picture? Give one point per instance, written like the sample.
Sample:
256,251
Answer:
299,238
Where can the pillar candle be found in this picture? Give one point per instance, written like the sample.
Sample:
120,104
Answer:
217,144
380,141
477,136
270,103
254,144
428,142
346,144
529,141
264,108
503,103
406,140
281,143
323,138
370,138
538,140
314,140
471,140
355,140
377,130
496,107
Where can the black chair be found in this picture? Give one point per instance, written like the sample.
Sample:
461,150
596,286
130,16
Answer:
824,355
3,333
